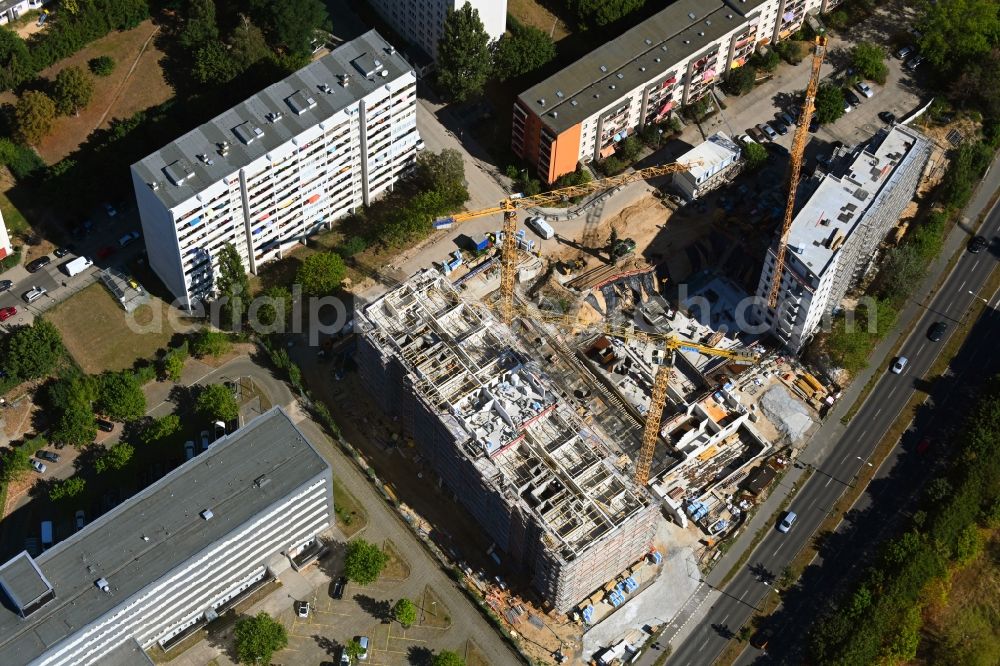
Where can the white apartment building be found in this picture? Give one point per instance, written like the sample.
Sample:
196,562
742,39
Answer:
279,166
181,552
5,247
421,22
837,231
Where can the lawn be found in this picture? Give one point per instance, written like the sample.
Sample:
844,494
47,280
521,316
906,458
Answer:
351,518
397,569
531,12
96,333
17,226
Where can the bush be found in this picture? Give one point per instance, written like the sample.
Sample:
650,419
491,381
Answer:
740,81
612,166
789,52
22,160
145,373
67,488
754,156
208,342
102,65
768,62
352,246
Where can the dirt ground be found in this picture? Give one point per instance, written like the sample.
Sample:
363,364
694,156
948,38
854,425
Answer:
531,12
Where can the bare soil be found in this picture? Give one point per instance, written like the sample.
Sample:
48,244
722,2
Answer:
531,12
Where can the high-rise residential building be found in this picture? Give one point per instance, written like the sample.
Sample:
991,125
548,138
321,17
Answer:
173,557
843,216
672,59
421,22
278,167
5,246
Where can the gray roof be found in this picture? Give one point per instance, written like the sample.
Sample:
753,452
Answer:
671,36
253,127
167,512
22,580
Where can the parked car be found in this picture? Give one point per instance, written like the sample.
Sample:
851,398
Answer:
864,89
110,210
7,312
757,135
48,455
36,265
786,118
768,131
38,465
34,294
779,127
899,365
60,252
977,244
851,98
913,63
302,609
363,642
81,519
105,425
127,239
787,522
814,124
904,52
188,449
937,331
205,441
5,285
420,145
745,138
886,117
339,587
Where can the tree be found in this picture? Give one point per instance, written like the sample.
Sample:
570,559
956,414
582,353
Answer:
14,463
258,637
754,156
321,273
73,90
16,66
364,561
101,65
869,59
447,658
233,284
67,488
292,23
247,45
405,612
160,429
209,342
597,13
463,60
523,49
275,305
353,650
173,366
115,458
768,62
120,396
75,426
200,27
216,403
956,33
33,351
740,81
443,173
829,103
34,113
213,64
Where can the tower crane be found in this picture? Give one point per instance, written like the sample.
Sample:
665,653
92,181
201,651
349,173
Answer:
510,206
799,140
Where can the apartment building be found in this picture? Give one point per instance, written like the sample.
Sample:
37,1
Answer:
545,486
421,22
843,217
670,60
279,166
719,158
5,247
175,556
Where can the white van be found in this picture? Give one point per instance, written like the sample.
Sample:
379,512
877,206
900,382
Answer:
46,534
541,227
77,266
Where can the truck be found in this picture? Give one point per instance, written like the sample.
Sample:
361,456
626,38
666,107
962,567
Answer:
77,266
46,534
541,227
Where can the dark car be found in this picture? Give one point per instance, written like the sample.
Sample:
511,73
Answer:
47,455
814,124
61,252
851,98
339,587
105,425
886,117
777,149
38,264
779,127
5,285
936,331
977,244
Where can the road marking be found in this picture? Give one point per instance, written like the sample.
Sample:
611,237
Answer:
892,390
726,618
974,266
778,548
962,286
845,458
921,348
742,595
828,482
863,433
878,411
703,645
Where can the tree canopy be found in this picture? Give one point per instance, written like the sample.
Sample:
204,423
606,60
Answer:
215,402
16,66
364,562
292,23
114,458
447,658
209,342
158,430
754,155
520,50
598,13
233,286
258,637
955,33
405,612
35,112
740,81
32,351
869,59
321,274
463,62
67,488
120,396
829,103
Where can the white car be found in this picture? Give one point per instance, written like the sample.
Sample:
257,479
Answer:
420,145
303,609
363,642
897,367
864,89
205,441
188,450
38,465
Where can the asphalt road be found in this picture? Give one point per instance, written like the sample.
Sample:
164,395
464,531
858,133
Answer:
844,459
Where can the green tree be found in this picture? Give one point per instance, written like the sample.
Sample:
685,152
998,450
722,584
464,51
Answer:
955,33
597,13
160,429
364,562
247,45
768,62
869,59
258,637
444,174
447,658
70,399
902,269
405,612
200,27
275,305
463,62
233,285
34,113
292,23
33,351
216,403
16,66
101,65
321,273
214,65
754,156
73,90
120,396
75,426
67,488
353,650
740,81
209,342
520,50
14,464
829,103
115,458
173,366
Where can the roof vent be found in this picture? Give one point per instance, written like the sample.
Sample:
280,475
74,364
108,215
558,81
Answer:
559,94
300,102
664,48
573,102
274,116
325,87
648,41
345,80
261,481
620,75
542,101
612,86
604,68
701,34
555,114
596,95
657,60
102,585
207,514
384,73
391,50
642,69
692,16
154,185
206,159
729,16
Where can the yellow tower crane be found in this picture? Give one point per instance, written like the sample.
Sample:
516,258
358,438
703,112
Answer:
510,206
799,140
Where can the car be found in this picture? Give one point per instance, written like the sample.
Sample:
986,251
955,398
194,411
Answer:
851,98
787,522
745,139
779,127
345,658
899,364
977,244
36,265
110,210
886,117
6,285
48,455
189,449
127,239
768,131
106,251
7,312
913,63
847,106
904,52
60,252
81,519
756,134
39,466
787,118
105,425
34,294
339,587
937,331
363,642
864,89
814,124
205,441
420,145
302,609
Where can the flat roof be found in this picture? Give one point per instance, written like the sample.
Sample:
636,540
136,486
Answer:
271,118
716,149
650,49
841,200
22,580
167,513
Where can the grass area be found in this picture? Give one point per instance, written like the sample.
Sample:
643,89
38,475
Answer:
17,225
531,12
96,332
397,569
434,613
473,656
351,517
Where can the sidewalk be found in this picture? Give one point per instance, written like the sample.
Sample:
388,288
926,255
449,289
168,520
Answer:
832,429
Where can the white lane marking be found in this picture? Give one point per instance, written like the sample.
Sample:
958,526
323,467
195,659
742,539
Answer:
742,595
921,348
845,458
878,411
962,286
777,549
727,616
702,648
828,482
892,390
975,265
863,433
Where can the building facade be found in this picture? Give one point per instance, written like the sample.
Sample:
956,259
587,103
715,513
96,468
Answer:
278,167
173,557
670,60
5,247
11,10
842,219
421,22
